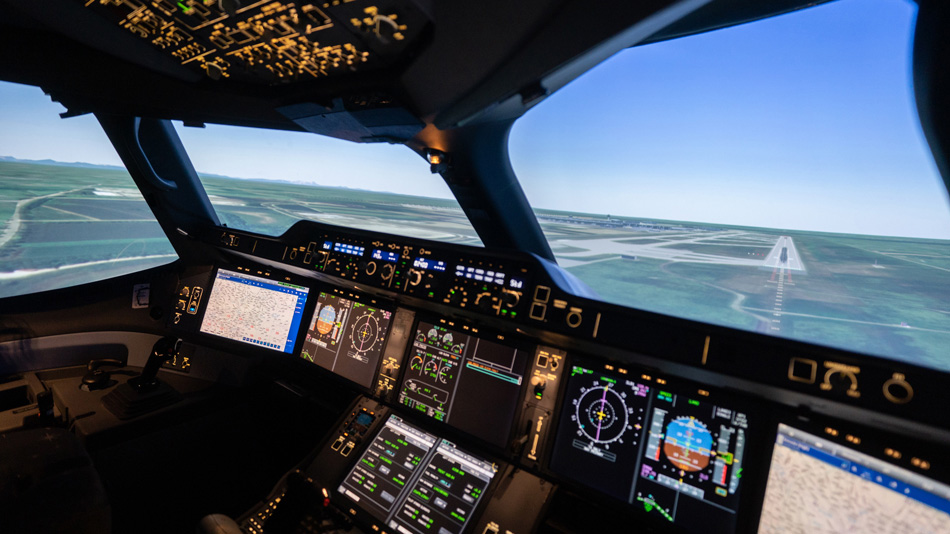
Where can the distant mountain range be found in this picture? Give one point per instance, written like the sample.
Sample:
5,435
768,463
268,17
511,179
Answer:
62,163
201,174
84,165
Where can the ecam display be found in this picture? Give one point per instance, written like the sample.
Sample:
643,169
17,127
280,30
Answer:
464,380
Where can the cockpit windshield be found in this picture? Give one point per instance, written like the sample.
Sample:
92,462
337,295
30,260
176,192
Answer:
771,177
266,180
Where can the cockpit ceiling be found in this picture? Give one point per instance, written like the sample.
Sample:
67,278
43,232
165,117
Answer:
242,61
271,42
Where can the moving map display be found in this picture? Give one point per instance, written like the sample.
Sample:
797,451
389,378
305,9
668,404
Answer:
346,337
464,380
677,455
415,482
602,422
819,486
255,310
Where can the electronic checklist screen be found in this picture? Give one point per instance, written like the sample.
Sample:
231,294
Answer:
255,310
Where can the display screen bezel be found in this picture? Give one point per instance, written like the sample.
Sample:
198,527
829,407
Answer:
863,440
380,304
510,341
762,427
304,315
361,514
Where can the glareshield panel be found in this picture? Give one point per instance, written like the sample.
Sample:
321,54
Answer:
266,180
771,177
69,211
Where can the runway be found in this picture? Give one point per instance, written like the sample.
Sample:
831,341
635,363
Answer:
791,261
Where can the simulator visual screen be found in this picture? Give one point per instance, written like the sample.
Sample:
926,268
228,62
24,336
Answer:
255,310
464,380
416,483
346,337
821,487
677,455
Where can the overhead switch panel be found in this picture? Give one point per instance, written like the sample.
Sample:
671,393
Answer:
271,41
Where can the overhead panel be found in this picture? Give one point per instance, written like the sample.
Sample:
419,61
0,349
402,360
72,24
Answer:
271,42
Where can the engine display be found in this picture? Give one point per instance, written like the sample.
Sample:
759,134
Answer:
346,337
466,381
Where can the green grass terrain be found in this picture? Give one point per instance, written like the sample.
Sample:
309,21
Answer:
653,285
880,295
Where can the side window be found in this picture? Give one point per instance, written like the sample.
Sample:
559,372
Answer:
69,211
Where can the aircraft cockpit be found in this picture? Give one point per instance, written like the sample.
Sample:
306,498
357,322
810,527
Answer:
421,267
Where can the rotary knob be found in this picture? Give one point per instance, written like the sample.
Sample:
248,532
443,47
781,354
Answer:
897,390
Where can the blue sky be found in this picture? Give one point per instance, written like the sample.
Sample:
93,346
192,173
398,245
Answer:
804,121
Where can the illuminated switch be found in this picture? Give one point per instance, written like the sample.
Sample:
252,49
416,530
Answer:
542,359
538,311
802,370
348,448
338,443
542,293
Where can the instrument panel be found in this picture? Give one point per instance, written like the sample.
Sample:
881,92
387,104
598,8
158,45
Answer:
520,291
659,447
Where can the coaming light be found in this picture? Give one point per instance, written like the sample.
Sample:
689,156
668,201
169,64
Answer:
438,160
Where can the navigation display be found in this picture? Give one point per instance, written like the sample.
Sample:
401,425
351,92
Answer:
415,482
346,337
464,380
255,310
676,455
601,426
821,487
